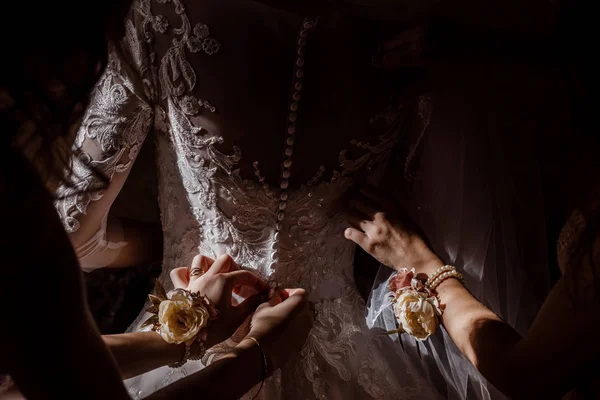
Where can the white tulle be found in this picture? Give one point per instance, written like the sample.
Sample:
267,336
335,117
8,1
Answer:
476,197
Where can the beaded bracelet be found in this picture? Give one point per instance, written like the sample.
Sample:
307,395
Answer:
443,273
444,276
439,271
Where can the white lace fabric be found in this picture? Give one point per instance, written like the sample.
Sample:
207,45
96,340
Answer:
214,101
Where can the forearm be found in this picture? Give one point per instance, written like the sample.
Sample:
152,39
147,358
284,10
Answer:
244,365
140,352
482,336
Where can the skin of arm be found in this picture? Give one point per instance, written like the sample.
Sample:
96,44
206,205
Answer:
140,352
546,363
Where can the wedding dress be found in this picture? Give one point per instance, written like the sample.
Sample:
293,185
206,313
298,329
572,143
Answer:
226,91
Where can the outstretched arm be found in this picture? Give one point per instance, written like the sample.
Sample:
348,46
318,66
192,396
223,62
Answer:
546,363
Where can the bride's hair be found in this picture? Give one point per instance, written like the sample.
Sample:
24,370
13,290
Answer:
55,52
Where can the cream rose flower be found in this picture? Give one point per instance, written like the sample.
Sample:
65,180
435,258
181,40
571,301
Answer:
417,313
180,319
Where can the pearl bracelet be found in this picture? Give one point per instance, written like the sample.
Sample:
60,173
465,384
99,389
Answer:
438,272
442,274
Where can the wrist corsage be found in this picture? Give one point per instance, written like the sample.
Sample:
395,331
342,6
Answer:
181,317
416,305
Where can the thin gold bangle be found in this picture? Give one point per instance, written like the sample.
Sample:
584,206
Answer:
266,365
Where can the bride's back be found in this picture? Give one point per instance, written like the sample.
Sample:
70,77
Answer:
243,59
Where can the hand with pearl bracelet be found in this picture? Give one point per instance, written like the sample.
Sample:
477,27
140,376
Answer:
378,229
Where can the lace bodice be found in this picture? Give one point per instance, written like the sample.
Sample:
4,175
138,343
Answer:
194,86
202,124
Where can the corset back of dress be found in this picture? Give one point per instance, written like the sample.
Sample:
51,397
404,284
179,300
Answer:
208,211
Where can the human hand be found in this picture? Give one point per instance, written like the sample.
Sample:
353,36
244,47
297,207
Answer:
281,326
377,227
218,280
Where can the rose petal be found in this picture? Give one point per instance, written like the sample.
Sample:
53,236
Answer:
416,313
179,322
401,280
